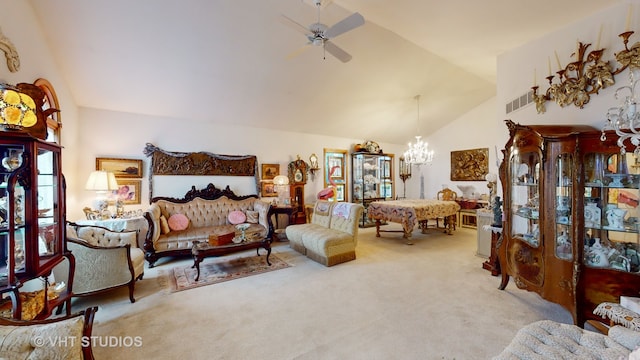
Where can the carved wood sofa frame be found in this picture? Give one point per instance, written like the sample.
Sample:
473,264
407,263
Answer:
208,193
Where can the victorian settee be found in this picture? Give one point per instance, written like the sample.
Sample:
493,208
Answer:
174,224
332,235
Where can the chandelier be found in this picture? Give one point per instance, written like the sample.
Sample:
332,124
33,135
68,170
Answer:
418,153
624,119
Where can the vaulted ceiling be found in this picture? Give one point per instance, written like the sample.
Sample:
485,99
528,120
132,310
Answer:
225,61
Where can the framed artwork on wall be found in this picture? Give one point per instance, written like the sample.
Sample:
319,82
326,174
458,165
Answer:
336,159
128,191
270,171
268,189
121,168
469,165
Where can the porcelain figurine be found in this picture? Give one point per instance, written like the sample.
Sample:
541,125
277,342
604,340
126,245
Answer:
615,217
592,215
597,256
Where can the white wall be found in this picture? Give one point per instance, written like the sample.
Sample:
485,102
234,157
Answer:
516,67
476,129
123,135
21,27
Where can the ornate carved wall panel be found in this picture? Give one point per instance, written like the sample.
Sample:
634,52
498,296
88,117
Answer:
198,163
469,165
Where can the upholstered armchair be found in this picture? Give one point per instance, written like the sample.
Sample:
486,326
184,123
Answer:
105,259
21,339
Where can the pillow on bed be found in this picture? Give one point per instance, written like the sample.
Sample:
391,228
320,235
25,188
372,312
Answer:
178,222
236,217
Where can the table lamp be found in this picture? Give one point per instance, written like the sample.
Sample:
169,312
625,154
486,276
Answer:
101,182
281,184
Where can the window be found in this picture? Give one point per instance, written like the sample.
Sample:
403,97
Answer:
54,121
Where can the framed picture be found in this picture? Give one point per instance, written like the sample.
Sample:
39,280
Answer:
121,168
128,191
469,165
270,171
335,164
268,189
335,171
340,192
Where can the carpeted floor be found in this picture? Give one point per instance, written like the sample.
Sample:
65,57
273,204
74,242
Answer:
430,300
217,270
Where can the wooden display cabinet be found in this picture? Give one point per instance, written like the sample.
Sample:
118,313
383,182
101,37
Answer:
372,176
571,217
32,224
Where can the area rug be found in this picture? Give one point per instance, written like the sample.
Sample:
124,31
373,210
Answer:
217,270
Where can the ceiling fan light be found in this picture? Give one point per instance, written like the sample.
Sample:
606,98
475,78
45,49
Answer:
318,41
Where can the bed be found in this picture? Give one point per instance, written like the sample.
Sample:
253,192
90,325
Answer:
410,212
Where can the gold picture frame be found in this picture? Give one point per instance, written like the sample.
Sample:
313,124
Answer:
121,168
270,171
268,189
332,158
469,165
128,191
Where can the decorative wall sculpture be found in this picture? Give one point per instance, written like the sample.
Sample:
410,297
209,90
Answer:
469,165
198,163
10,53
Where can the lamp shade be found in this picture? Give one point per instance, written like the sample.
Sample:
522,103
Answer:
281,180
17,109
101,181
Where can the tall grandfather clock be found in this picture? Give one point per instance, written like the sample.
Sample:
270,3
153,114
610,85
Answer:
298,178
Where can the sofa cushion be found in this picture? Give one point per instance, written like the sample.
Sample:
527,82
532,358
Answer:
164,225
178,222
252,217
236,217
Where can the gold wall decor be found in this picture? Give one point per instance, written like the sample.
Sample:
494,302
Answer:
199,163
584,77
469,165
10,53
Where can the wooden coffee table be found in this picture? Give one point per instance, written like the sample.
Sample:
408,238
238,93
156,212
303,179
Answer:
201,250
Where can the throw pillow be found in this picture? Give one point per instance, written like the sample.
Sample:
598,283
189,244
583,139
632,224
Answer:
252,217
178,222
164,225
236,217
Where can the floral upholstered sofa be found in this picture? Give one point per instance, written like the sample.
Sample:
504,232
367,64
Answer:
332,235
175,223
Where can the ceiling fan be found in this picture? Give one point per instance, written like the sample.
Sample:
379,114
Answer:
319,34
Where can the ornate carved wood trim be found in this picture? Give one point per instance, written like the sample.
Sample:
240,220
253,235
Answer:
211,192
199,163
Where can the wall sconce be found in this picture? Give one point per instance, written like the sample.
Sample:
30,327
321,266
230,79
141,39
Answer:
405,173
102,182
580,79
281,184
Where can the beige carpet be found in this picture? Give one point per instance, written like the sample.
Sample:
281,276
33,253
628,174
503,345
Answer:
217,270
430,300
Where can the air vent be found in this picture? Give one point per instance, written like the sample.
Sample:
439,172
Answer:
519,102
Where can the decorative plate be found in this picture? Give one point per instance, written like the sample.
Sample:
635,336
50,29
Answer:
372,146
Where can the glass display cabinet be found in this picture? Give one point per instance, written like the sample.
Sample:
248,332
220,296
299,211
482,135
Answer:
571,217
372,180
32,223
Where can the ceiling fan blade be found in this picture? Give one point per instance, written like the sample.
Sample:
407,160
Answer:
334,50
297,52
350,22
294,25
